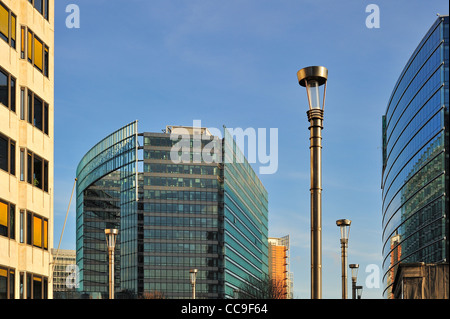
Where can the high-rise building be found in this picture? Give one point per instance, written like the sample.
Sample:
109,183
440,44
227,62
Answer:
26,147
173,214
415,177
279,264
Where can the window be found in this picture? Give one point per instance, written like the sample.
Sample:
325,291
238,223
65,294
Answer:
37,170
42,6
37,231
7,155
38,111
7,281
37,51
7,25
7,219
7,90
37,286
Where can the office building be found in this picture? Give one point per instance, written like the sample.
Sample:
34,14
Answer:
26,147
415,177
173,215
279,263
64,275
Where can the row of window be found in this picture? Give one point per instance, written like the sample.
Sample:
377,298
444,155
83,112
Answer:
180,182
33,228
180,195
36,285
180,221
182,274
180,208
181,248
178,234
32,108
181,261
31,48
180,169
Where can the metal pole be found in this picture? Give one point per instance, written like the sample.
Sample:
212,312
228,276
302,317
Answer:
344,267
353,288
315,117
193,291
111,272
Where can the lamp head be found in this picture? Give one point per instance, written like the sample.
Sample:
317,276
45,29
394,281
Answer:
312,78
344,225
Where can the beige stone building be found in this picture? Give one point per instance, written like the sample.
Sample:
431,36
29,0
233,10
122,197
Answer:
26,147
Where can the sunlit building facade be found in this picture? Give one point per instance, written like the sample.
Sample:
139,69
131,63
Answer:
197,212
415,178
26,148
279,265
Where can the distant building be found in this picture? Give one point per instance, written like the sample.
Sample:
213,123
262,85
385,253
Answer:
279,264
172,216
64,270
416,165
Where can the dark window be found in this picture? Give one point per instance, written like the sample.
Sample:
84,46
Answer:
37,116
37,172
13,94
46,176
4,88
12,158
39,5
46,118
29,228
7,155
30,107
3,153
29,167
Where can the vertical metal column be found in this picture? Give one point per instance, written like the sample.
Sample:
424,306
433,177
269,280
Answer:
315,117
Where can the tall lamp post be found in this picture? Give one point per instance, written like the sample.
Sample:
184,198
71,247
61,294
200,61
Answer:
354,268
193,277
344,225
313,77
111,236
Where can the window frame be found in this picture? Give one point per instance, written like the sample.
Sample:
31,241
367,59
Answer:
45,8
10,91
27,105
11,158
29,230
27,170
10,281
10,220
9,38
28,52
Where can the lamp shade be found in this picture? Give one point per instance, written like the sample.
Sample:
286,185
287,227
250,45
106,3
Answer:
313,77
354,268
192,276
344,225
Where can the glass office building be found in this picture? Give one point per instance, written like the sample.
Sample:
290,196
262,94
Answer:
173,215
415,178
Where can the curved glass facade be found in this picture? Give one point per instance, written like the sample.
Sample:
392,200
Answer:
415,159
106,198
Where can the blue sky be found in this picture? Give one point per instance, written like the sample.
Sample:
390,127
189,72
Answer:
234,63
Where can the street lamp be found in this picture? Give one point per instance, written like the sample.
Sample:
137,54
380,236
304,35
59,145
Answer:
344,225
354,268
111,236
313,78
193,277
359,291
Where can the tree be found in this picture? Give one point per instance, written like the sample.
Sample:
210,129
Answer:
265,288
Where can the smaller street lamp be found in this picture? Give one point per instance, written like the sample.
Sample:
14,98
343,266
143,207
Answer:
111,236
193,277
359,291
354,268
344,225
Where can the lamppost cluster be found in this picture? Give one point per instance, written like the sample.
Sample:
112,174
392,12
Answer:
313,78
